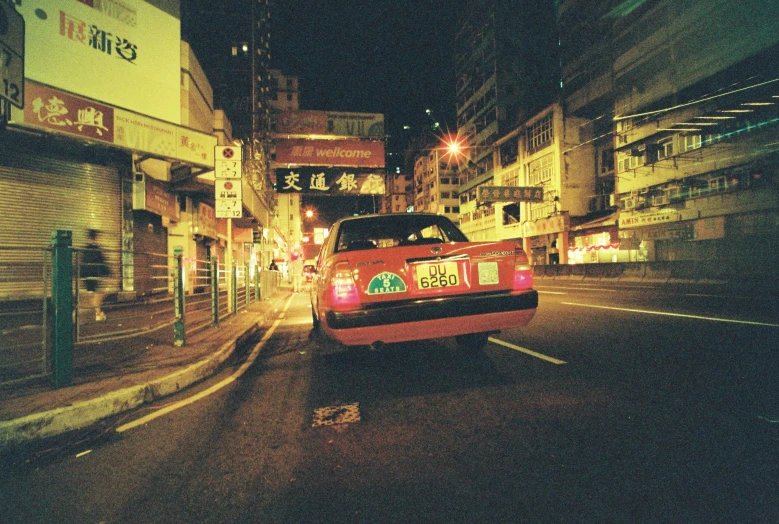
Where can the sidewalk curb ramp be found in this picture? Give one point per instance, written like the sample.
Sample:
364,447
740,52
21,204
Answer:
82,414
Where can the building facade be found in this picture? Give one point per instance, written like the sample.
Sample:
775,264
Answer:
506,71
436,185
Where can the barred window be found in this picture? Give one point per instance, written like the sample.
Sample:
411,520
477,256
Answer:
540,132
541,170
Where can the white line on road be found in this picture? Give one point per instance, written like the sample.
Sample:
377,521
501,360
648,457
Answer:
216,387
665,313
552,292
526,351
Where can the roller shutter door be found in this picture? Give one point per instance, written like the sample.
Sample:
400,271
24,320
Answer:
39,195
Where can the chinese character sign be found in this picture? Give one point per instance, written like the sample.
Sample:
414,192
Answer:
510,194
330,181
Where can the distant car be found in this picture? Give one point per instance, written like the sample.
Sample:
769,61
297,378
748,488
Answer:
308,272
413,276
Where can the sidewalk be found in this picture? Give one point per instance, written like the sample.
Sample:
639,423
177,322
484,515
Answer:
116,376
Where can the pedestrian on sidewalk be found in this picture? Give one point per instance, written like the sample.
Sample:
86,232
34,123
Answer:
93,270
296,272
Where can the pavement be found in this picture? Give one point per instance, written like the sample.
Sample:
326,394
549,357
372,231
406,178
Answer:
113,377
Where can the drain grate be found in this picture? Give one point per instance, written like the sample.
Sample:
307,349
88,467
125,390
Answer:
332,415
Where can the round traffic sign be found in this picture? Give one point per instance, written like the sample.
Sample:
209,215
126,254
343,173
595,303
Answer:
228,152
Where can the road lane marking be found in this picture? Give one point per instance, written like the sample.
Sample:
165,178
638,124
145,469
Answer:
665,313
526,351
216,387
552,292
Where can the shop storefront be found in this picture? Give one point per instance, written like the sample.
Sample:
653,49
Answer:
546,239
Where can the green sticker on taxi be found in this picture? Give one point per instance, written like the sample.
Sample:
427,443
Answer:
386,282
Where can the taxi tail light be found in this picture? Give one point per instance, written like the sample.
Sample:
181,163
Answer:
523,272
343,289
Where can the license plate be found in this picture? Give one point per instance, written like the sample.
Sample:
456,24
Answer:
437,275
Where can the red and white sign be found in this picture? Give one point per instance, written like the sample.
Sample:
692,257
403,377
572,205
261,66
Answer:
227,162
349,153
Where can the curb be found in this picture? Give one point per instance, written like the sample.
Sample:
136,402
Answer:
85,413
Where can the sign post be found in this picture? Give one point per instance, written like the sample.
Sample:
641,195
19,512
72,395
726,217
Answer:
11,55
227,172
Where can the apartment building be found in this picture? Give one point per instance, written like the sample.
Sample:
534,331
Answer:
506,71
436,184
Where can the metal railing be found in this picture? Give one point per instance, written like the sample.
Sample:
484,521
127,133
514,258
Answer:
46,307
25,275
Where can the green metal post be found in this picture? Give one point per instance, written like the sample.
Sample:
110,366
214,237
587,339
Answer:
246,283
257,283
179,335
62,305
235,288
214,292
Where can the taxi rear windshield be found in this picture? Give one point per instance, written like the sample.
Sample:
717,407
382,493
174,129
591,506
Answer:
396,230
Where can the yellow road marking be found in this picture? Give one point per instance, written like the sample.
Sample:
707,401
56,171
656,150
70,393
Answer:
526,351
216,387
665,313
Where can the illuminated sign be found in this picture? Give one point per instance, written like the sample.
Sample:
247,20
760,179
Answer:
352,153
58,111
329,181
366,125
125,53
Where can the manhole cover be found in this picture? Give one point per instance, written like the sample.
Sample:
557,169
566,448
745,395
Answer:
332,415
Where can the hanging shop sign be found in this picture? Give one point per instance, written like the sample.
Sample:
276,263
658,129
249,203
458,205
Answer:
364,125
60,112
647,219
350,153
509,194
329,181
545,226
206,221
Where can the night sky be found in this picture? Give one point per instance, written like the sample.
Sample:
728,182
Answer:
394,57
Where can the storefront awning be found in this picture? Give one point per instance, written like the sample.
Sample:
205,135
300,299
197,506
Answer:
608,220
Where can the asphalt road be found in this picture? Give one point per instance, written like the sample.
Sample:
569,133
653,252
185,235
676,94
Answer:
613,405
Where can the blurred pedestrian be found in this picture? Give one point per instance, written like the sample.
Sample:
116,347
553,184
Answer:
273,266
93,270
296,272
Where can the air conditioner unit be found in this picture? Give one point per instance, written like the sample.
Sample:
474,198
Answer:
660,200
630,203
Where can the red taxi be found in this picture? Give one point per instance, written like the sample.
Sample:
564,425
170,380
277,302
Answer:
414,276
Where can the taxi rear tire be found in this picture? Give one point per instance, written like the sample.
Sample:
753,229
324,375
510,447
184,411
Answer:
315,320
472,341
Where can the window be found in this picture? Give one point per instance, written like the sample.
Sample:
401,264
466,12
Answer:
627,162
692,142
666,149
718,184
540,132
511,177
540,170
607,161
